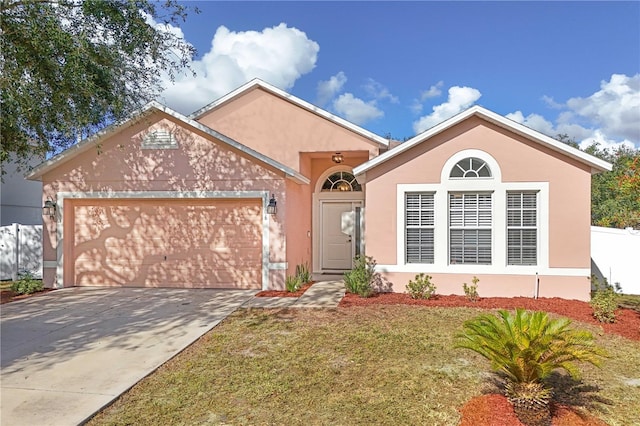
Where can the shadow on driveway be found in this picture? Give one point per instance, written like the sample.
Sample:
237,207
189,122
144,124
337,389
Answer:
66,354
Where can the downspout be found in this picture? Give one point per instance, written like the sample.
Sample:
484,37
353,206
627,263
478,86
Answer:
536,288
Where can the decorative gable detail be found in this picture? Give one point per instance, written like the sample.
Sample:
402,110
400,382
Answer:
159,139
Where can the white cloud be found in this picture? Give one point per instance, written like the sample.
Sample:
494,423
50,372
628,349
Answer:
615,108
533,121
329,88
378,91
356,110
610,116
460,98
604,142
433,91
279,55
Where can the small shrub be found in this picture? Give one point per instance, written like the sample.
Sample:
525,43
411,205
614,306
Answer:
27,284
359,280
303,274
292,283
604,301
422,287
471,291
526,347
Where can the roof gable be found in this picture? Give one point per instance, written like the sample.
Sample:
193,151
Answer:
151,108
259,84
597,165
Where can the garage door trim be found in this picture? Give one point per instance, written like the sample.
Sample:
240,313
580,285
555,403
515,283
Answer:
212,195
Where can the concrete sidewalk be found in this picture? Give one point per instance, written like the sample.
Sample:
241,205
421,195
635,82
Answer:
323,294
68,353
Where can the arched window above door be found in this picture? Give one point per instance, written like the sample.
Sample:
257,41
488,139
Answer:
341,182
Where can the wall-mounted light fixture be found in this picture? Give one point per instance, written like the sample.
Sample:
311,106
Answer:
49,209
337,158
271,208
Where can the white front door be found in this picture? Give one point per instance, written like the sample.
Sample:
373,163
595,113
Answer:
337,229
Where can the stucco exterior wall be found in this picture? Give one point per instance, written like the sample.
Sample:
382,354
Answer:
198,164
520,161
280,129
501,285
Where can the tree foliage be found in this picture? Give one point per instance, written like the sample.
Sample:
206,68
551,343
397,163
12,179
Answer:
70,67
615,195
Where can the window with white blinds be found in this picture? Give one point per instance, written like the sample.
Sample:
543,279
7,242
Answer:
470,224
419,227
522,228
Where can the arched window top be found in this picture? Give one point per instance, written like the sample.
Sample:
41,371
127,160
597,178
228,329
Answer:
470,168
341,182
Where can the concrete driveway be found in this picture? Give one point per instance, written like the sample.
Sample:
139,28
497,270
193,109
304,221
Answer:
66,354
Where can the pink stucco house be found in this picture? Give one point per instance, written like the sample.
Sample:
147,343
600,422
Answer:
167,200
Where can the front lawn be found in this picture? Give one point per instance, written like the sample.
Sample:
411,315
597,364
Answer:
349,366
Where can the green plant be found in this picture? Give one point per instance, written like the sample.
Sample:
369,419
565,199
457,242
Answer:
292,283
422,287
302,272
604,301
359,280
27,284
527,347
471,291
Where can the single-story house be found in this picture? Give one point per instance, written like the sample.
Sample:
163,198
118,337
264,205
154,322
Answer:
259,181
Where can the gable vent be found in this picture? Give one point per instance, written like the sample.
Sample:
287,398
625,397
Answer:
159,139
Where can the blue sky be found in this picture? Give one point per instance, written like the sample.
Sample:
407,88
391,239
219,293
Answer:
400,67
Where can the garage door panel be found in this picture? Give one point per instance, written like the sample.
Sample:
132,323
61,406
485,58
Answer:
168,243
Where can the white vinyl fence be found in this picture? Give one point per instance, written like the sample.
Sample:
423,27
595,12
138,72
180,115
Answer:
20,250
615,255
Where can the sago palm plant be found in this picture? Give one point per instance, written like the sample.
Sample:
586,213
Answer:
527,347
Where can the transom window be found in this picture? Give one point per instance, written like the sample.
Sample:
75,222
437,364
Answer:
341,182
470,167
470,224
419,223
522,228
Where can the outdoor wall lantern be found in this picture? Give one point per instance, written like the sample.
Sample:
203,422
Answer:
337,158
49,209
271,208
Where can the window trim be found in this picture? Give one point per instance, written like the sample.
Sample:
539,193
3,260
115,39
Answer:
522,226
441,190
431,227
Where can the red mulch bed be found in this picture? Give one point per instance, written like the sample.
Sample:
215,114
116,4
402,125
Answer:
7,296
495,410
284,293
627,320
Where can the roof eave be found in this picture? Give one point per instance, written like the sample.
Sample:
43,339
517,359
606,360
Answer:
257,83
37,172
70,153
597,165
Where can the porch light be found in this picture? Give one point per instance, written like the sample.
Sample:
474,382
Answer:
337,158
343,186
49,209
271,208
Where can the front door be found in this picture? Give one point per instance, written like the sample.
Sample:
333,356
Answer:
338,234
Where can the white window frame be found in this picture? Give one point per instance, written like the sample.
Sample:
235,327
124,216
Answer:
421,226
499,249
522,226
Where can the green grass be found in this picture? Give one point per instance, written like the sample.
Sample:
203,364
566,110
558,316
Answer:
375,365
